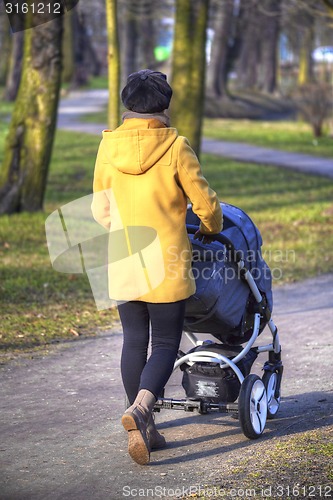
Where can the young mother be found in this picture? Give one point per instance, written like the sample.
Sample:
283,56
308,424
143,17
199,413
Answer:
145,174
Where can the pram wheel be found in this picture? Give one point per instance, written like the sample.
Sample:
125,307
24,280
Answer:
270,380
252,406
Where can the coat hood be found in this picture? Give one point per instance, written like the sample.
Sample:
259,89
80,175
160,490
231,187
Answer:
138,144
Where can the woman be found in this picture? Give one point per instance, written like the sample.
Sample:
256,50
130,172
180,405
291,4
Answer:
148,172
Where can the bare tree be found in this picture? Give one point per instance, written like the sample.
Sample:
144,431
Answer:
314,102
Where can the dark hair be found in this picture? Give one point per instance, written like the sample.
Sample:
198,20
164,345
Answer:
146,91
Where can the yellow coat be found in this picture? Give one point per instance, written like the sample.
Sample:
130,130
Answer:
144,175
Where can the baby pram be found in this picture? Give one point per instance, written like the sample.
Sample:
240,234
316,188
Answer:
233,303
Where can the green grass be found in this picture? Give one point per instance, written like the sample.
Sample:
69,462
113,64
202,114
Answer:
293,466
5,110
292,210
289,136
40,306
98,82
95,82
97,117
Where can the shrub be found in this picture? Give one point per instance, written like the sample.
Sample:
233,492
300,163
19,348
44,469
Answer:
314,102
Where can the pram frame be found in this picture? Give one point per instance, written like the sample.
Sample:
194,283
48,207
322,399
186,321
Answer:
267,403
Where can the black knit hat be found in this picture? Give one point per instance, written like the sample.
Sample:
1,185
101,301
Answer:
147,91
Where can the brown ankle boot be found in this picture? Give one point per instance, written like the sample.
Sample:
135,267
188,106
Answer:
155,439
135,421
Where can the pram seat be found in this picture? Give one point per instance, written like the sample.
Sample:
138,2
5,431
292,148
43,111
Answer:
223,304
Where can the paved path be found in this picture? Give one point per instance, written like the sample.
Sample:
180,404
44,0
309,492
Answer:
61,437
266,156
83,102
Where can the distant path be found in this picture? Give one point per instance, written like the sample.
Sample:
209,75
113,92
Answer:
88,101
256,154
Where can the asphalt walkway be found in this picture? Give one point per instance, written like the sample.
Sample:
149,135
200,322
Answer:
61,436
266,156
88,101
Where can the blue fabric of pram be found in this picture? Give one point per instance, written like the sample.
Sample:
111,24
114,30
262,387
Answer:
222,297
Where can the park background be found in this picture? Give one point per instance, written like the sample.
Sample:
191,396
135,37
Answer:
258,72
241,70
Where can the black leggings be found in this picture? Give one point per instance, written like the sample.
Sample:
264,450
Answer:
166,321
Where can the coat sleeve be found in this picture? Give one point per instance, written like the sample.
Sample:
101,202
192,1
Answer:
100,206
204,200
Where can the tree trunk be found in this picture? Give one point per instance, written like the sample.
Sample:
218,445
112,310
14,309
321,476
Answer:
130,40
147,36
92,61
79,57
113,64
15,67
188,69
217,74
271,30
317,129
250,49
29,141
5,47
329,5
68,48
305,71
80,76
137,40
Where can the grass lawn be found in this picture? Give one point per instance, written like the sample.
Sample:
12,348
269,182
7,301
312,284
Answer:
293,136
40,306
293,466
293,212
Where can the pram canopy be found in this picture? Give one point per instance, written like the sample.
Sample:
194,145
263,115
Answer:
222,300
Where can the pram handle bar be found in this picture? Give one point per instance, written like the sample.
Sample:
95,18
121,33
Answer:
217,237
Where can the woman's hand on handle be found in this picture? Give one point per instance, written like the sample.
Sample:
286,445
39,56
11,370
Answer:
204,238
